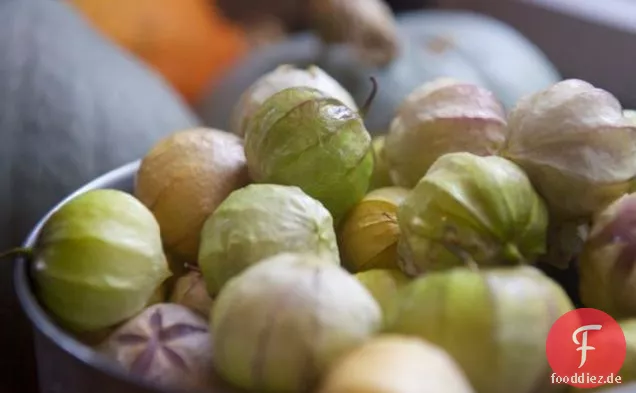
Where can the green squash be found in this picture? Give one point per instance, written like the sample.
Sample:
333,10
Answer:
435,43
72,106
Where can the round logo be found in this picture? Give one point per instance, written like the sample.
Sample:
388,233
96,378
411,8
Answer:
586,348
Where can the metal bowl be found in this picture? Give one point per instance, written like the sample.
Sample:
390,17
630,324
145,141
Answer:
64,364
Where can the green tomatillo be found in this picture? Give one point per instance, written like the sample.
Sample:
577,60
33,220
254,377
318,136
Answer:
303,137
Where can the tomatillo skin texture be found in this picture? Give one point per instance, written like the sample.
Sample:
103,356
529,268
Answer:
467,205
98,260
302,137
607,262
493,322
257,222
279,326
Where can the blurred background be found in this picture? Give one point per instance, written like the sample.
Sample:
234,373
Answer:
206,52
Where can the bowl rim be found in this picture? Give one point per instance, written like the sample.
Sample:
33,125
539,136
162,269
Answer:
45,325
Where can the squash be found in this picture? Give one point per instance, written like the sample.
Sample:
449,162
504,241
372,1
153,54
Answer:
187,41
72,106
434,43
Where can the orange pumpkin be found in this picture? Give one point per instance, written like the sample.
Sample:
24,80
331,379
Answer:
187,41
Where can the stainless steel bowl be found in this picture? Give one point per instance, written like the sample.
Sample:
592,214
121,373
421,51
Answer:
65,365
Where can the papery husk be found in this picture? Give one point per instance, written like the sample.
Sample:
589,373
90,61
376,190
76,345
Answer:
575,145
383,284
283,77
606,265
167,345
565,242
493,322
184,178
380,177
628,370
302,137
614,388
98,261
370,232
439,117
396,364
280,325
260,221
369,26
482,206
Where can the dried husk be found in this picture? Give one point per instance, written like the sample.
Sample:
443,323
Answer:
380,177
439,117
259,221
190,291
606,265
369,26
166,344
302,137
396,364
283,77
494,323
370,231
184,178
383,284
484,207
98,260
280,325
575,145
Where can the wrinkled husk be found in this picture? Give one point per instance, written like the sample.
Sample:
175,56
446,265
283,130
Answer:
98,260
575,145
184,178
443,116
565,242
166,344
380,177
302,137
283,77
158,296
280,325
259,221
396,364
383,284
606,265
494,323
483,207
190,291
370,232
369,26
